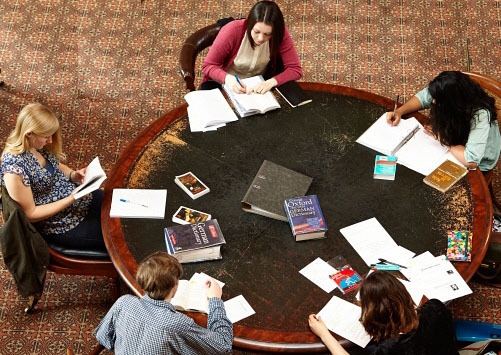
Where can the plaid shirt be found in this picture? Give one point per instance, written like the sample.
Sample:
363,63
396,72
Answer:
147,326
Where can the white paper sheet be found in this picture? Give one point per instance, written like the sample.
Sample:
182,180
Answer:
318,272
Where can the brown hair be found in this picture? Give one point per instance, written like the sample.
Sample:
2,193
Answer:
387,307
158,274
270,14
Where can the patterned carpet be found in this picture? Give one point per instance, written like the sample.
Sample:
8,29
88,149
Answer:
110,68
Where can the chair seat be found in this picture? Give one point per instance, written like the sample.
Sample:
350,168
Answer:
86,253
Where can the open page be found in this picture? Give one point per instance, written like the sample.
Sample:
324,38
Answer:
387,139
94,177
238,308
342,318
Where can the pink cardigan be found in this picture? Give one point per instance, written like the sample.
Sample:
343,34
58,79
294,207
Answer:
225,48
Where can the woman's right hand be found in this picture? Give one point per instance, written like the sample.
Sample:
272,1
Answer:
317,325
393,118
232,82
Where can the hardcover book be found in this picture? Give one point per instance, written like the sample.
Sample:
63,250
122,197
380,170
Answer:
185,215
305,217
252,104
293,94
271,186
445,175
459,244
192,185
385,167
195,242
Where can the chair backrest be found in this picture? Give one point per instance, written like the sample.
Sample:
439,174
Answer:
491,86
193,45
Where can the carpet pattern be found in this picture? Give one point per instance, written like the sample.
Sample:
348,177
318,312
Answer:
110,68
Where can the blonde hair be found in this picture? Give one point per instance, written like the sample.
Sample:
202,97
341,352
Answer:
158,274
40,120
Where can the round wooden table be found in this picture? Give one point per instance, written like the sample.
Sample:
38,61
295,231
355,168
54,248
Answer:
260,259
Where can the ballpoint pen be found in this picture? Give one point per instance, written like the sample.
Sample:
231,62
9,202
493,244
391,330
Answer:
395,108
134,203
389,262
238,81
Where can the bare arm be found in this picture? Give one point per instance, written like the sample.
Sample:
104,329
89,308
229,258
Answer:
23,195
412,105
318,327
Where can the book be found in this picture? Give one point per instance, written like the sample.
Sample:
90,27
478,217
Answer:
190,295
409,142
195,242
305,217
459,244
138,203
208,110
445,175
94,177
186,215
346,279
385,167
192,185
293,94
271,186
252,104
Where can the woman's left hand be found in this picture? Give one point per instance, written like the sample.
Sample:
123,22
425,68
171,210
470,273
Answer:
77,176
263,87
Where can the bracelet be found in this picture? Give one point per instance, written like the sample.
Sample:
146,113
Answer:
69,176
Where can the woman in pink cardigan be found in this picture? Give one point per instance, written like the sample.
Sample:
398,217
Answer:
258,45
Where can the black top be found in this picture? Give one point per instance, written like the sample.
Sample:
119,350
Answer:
435,335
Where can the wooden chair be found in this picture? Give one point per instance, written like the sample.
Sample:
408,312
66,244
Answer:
193,45
50,257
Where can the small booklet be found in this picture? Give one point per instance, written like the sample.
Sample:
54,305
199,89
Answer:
459,244
94,177
252,104
445,175
271,186
347,279
293,94
305,217
195,242
192,185
208,110
138,203
185,215
385,167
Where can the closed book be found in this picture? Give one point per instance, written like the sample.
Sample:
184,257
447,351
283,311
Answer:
347,279
293,94
385,167
305,217
192,185
186,215
195,242
271,186
459,244
445,175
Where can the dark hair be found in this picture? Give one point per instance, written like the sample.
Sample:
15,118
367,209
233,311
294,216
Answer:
158,273
387,307
269,13
456,99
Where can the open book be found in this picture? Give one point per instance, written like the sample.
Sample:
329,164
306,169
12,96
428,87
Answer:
251,104
190,294
94,176
208,110
408,142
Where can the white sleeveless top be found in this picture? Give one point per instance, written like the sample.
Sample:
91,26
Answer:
250,62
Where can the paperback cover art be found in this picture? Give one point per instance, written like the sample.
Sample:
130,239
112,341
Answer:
192,185
347,279
186,215
305,217
459,244
385,167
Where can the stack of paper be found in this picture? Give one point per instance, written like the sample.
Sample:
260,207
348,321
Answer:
138,203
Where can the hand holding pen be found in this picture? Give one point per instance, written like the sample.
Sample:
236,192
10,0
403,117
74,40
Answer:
392,117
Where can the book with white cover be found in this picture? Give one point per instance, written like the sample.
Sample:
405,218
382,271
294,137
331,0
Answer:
138,203
251,104
94,177
208,110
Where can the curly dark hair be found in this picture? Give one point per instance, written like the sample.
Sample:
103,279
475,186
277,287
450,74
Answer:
387,307
456,98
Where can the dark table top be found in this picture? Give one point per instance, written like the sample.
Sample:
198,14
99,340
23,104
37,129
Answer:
261,260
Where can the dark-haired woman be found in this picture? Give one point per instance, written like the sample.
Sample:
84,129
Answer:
396,326
462,117
257,45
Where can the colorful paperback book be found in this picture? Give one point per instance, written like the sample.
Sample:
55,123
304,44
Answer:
347,279
385,167
195,242
186,215
305,217
192,185
459,244
445,175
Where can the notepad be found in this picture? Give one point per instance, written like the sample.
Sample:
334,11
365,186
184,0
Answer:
138,203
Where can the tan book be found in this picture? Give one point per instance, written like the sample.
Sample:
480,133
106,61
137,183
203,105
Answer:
445,175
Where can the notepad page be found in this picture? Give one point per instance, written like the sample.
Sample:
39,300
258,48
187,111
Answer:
208,108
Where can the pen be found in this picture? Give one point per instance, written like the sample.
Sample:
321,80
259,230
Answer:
386,267
238,81
395,109
134,203
389,262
